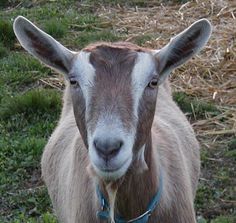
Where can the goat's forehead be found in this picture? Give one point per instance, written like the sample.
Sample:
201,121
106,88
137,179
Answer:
135,66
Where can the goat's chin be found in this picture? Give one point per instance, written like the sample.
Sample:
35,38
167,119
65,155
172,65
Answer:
109,176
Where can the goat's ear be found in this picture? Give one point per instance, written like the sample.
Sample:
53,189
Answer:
42,46
182,47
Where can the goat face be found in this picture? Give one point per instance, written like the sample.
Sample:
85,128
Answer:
113,88
114,91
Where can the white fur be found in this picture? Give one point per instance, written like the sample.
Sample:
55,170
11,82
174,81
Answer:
85,73
112,198
143,70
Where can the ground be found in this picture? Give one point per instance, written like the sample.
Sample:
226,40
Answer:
30,94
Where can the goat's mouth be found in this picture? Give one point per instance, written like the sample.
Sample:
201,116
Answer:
112,172
108,166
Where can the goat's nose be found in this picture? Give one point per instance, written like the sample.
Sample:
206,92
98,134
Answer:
108,148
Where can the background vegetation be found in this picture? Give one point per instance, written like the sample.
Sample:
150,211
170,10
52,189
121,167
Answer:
30,94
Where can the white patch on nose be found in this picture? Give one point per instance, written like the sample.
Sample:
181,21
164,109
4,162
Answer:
111,127
143,69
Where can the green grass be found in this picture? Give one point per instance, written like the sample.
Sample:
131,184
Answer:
216,188
33,102
3,3
26,122
194,107
45,218
232,144
55,28
142,39
19,70
86,38
3,51
87,22
223,219
20,62
7,36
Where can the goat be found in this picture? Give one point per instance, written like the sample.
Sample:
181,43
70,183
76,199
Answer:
121,138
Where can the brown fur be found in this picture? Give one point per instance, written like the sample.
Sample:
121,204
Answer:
117,45
112,83
170,145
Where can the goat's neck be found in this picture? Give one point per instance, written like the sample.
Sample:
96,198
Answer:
138,189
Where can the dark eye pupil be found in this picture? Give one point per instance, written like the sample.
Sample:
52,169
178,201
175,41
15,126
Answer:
153,83
73,82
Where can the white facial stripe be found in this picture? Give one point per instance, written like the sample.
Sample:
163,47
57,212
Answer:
85,74
143,68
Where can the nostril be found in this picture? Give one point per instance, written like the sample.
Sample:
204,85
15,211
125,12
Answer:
117,145
107,149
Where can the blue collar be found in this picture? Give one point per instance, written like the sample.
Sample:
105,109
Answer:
104,213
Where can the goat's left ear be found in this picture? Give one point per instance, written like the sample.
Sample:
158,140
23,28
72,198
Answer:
182,47
42,46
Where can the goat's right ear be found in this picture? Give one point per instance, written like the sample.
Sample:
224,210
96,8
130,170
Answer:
182,47
42,46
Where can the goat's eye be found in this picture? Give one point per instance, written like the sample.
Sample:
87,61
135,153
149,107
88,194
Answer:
153,83
73,82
